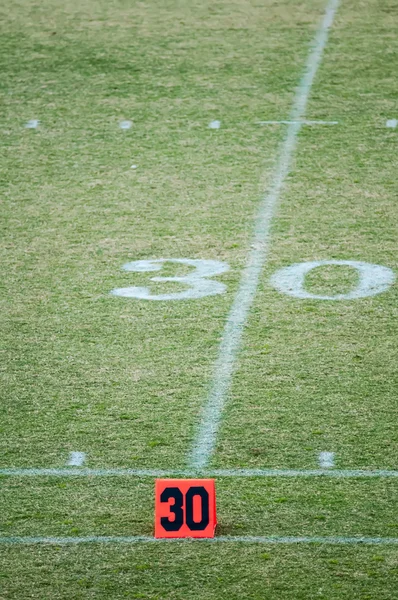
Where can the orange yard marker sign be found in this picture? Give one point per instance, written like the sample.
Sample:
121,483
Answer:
185,508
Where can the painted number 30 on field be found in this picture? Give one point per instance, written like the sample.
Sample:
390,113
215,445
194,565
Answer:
372,279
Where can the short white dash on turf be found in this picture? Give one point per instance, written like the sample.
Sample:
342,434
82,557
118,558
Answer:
133,166
215,125
204,443
305,122
392,123
223,539
32,124
76,459
125,124
326,460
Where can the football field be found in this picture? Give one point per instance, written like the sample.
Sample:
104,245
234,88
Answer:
199,261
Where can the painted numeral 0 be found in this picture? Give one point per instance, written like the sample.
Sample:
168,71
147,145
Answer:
198,282
372,279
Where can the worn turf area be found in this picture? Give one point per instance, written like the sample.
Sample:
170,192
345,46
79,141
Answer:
124,380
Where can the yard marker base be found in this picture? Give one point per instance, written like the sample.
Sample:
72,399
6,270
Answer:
185,508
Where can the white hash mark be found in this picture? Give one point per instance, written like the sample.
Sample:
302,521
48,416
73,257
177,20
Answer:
326,459
125,124
76,459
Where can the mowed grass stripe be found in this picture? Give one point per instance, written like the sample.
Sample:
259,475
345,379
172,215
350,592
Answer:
248,506
204,444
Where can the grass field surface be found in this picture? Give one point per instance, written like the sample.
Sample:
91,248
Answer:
109,158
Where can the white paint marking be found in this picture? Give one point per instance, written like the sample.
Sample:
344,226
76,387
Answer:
326,460
197,280
304,122
392,123
223,539
205,440
215,125
33,124
125,124
133,166
84,472
373,279
76,459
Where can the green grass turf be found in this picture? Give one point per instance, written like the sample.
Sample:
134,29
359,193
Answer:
124,380
183,571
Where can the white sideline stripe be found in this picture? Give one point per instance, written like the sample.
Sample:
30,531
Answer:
326,459
76,459
204,443
84,472
305,122
247,539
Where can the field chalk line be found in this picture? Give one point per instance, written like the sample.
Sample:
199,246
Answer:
248,539
120,472
205,441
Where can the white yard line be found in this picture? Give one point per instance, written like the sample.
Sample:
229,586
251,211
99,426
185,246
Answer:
229,539
192,473
205,441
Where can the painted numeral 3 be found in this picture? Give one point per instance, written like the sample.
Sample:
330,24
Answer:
198,282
